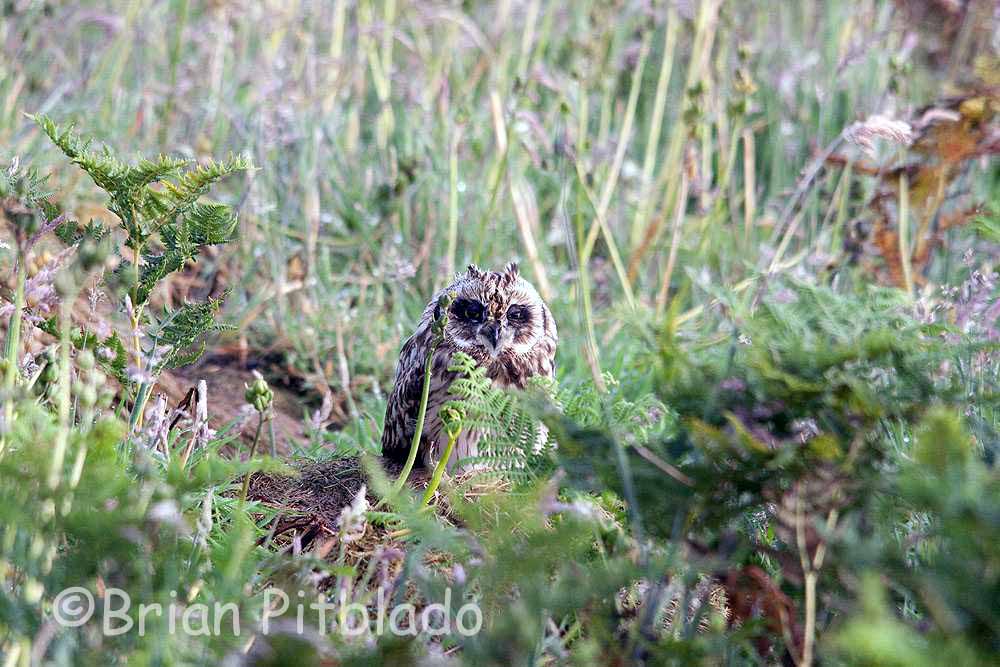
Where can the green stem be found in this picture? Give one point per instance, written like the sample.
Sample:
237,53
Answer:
491,207
270,435
440,467
63,401
904,234
591,351
14,329
174,55
253,450
419,430
141,397
655,126
453,202
11,348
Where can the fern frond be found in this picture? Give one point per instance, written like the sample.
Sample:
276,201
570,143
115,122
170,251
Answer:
107,171
509,435
148,171
157,202
115,360
203,224
181,329
110,352
186,357
635,421
68,141
196,182
72,232
23,185
157,267
176,205
142,209
209,223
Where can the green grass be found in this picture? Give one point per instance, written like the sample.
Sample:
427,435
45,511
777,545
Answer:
395,137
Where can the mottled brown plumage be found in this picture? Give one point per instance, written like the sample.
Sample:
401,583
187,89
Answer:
498,319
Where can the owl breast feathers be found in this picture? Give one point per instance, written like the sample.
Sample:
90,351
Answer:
498,319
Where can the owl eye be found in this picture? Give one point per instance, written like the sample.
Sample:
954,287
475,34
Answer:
466,309
518,314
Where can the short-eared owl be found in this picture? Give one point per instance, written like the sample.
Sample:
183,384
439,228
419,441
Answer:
498,319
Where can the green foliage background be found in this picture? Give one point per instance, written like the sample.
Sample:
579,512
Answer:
743,402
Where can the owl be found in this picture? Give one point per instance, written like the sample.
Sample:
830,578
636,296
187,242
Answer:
498,319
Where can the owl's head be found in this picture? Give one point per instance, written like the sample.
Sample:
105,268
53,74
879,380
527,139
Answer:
495,313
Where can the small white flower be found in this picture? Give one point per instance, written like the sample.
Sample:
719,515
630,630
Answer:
352,520
204,523
167,512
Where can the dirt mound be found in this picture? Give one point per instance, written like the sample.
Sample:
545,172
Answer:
311,502
227,378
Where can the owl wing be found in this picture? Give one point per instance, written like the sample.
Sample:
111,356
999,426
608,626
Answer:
404,401
545,351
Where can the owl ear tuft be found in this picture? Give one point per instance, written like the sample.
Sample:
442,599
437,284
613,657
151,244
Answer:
511,271
475,272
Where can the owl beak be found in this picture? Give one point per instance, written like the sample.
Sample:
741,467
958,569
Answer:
490,334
